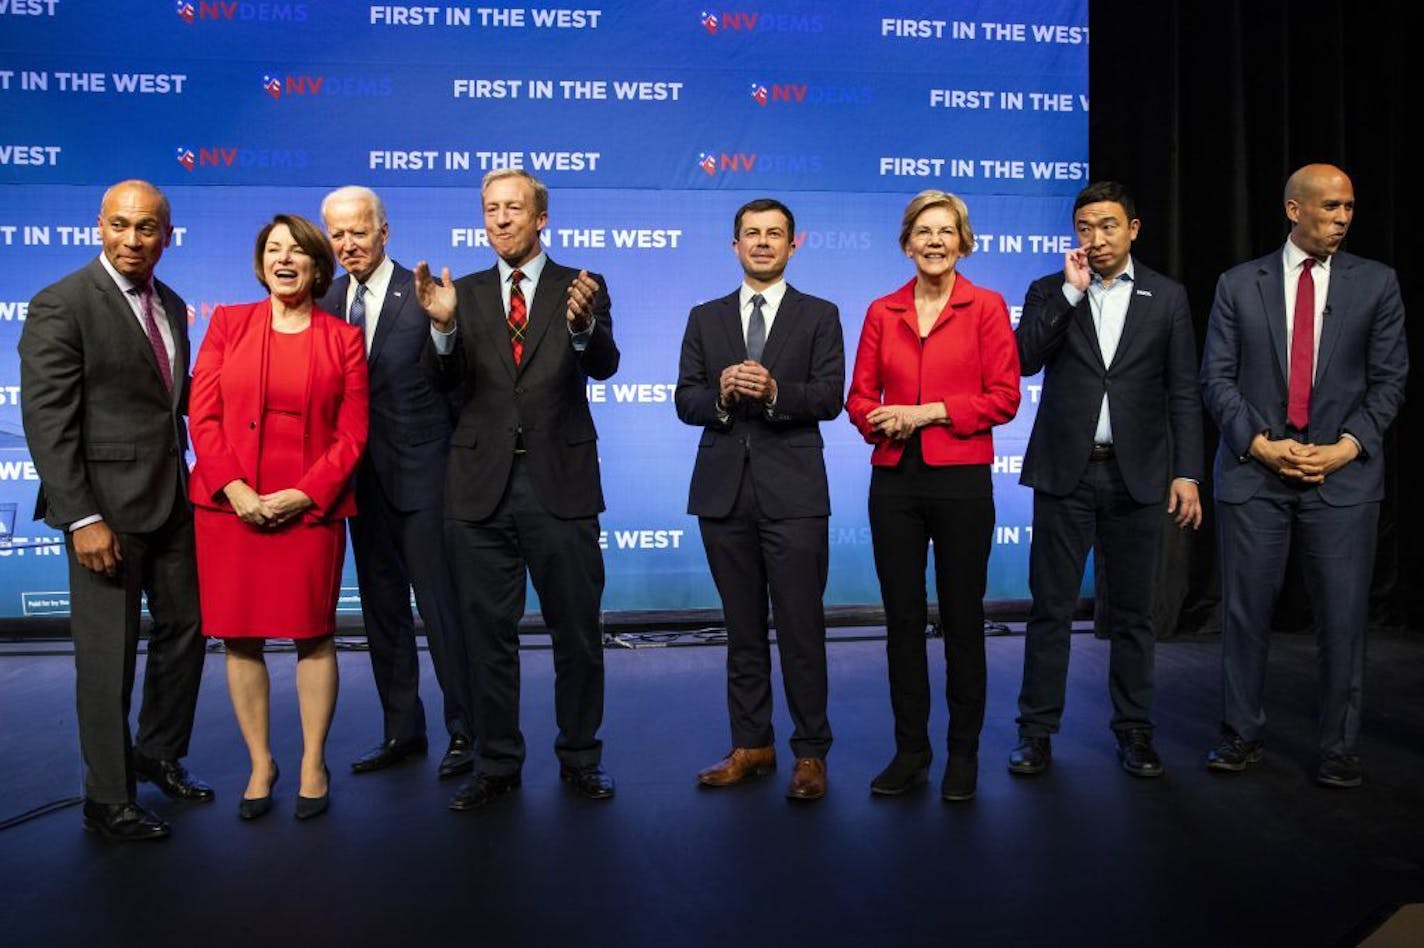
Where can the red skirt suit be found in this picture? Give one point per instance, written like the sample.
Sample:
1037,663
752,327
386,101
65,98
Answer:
275,410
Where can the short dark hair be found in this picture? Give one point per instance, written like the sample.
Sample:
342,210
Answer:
764,204
1100,191
310,238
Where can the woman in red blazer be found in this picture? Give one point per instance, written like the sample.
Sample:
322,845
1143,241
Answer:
936,369
278,419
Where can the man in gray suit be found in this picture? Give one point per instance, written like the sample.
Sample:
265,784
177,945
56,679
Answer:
104,380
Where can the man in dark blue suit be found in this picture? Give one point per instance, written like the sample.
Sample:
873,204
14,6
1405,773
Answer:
760,369
1303,370
1118,431
397,535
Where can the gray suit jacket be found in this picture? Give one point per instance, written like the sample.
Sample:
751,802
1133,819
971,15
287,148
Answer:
106,437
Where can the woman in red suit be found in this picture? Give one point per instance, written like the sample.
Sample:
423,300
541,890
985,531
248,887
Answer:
278,418
936,370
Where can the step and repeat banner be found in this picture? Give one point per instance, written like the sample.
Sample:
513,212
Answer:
650,122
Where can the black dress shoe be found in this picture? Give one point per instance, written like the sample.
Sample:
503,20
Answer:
123,821
172,778
459,759
1233,754
961,778
1134,749
388,752
1340,770
905,771
1031,756
483,789
250,808
591,781
308,807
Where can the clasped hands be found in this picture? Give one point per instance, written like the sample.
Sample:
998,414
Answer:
265,510
438,298
748,379
1303,463
898,422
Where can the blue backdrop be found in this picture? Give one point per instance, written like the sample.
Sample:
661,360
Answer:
650,122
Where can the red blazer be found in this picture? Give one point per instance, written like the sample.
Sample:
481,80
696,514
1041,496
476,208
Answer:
969,361
228,392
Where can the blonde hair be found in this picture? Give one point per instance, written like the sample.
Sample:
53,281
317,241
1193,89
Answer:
934,198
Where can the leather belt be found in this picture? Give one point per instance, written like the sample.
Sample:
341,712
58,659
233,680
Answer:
1101,452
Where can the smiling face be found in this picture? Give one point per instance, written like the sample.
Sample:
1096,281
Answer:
357,240
511,220
933,242
287,268
133,222
764,245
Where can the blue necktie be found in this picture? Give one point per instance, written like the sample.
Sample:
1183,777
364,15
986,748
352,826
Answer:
756,330
357,316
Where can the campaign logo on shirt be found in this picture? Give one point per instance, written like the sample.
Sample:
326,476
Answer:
186,158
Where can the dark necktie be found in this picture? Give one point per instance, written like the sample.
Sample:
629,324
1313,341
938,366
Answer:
756,330
357,315
1302,351
155,338
518,315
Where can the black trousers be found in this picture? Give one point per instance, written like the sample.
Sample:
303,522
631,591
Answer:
396,550
1129,539
902,525
104,622
490,561
751,555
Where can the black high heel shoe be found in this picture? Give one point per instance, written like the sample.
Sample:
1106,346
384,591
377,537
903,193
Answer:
308,807
258,806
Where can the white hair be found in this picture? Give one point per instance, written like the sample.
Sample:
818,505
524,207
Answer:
352,193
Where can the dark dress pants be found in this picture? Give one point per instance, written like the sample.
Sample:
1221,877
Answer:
490,559
1337,546
394,550
748,554
104,622
962,528
1129,539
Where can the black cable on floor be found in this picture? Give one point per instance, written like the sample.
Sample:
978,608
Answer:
43,810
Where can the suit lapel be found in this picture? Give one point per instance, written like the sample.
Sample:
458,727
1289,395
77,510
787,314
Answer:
494,327
1270,282
547,307
123,315
1332,322
783,326
178,328
1140,309
729,316
1083,319
398,290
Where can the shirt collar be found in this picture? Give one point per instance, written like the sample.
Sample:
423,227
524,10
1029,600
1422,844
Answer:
379,279
531,270
1294,257
1126,276
123,282
772,295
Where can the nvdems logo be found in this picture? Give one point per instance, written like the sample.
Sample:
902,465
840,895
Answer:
245,12
801,93
225,156
714,22
277,86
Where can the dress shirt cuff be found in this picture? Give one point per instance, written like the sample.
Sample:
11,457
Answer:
85,521
580,339
1360,447
1072,294
444,341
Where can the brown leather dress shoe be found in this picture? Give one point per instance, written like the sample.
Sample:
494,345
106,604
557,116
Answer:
739,764
808,780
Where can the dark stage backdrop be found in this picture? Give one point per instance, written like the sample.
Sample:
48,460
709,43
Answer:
651,122
1204,109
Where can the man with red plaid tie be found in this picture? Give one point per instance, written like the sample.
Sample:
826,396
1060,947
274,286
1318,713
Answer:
1303,370
522,488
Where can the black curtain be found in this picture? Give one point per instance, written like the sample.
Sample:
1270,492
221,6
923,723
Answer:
1203,110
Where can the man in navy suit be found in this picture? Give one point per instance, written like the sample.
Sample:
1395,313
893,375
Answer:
1118,431
397,535
1303,370
760,369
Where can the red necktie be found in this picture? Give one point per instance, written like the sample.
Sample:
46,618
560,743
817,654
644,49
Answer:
518,315
1302,353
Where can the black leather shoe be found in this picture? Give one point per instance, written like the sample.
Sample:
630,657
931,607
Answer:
388,752
172,778
459,759
592,781
123,821
483,789
250,808
309,807
1340,770
1031,756
905,771
1134,749
961,778
1232,754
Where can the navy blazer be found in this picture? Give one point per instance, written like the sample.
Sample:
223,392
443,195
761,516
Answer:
1359,374
1151,387
411,422
805,354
